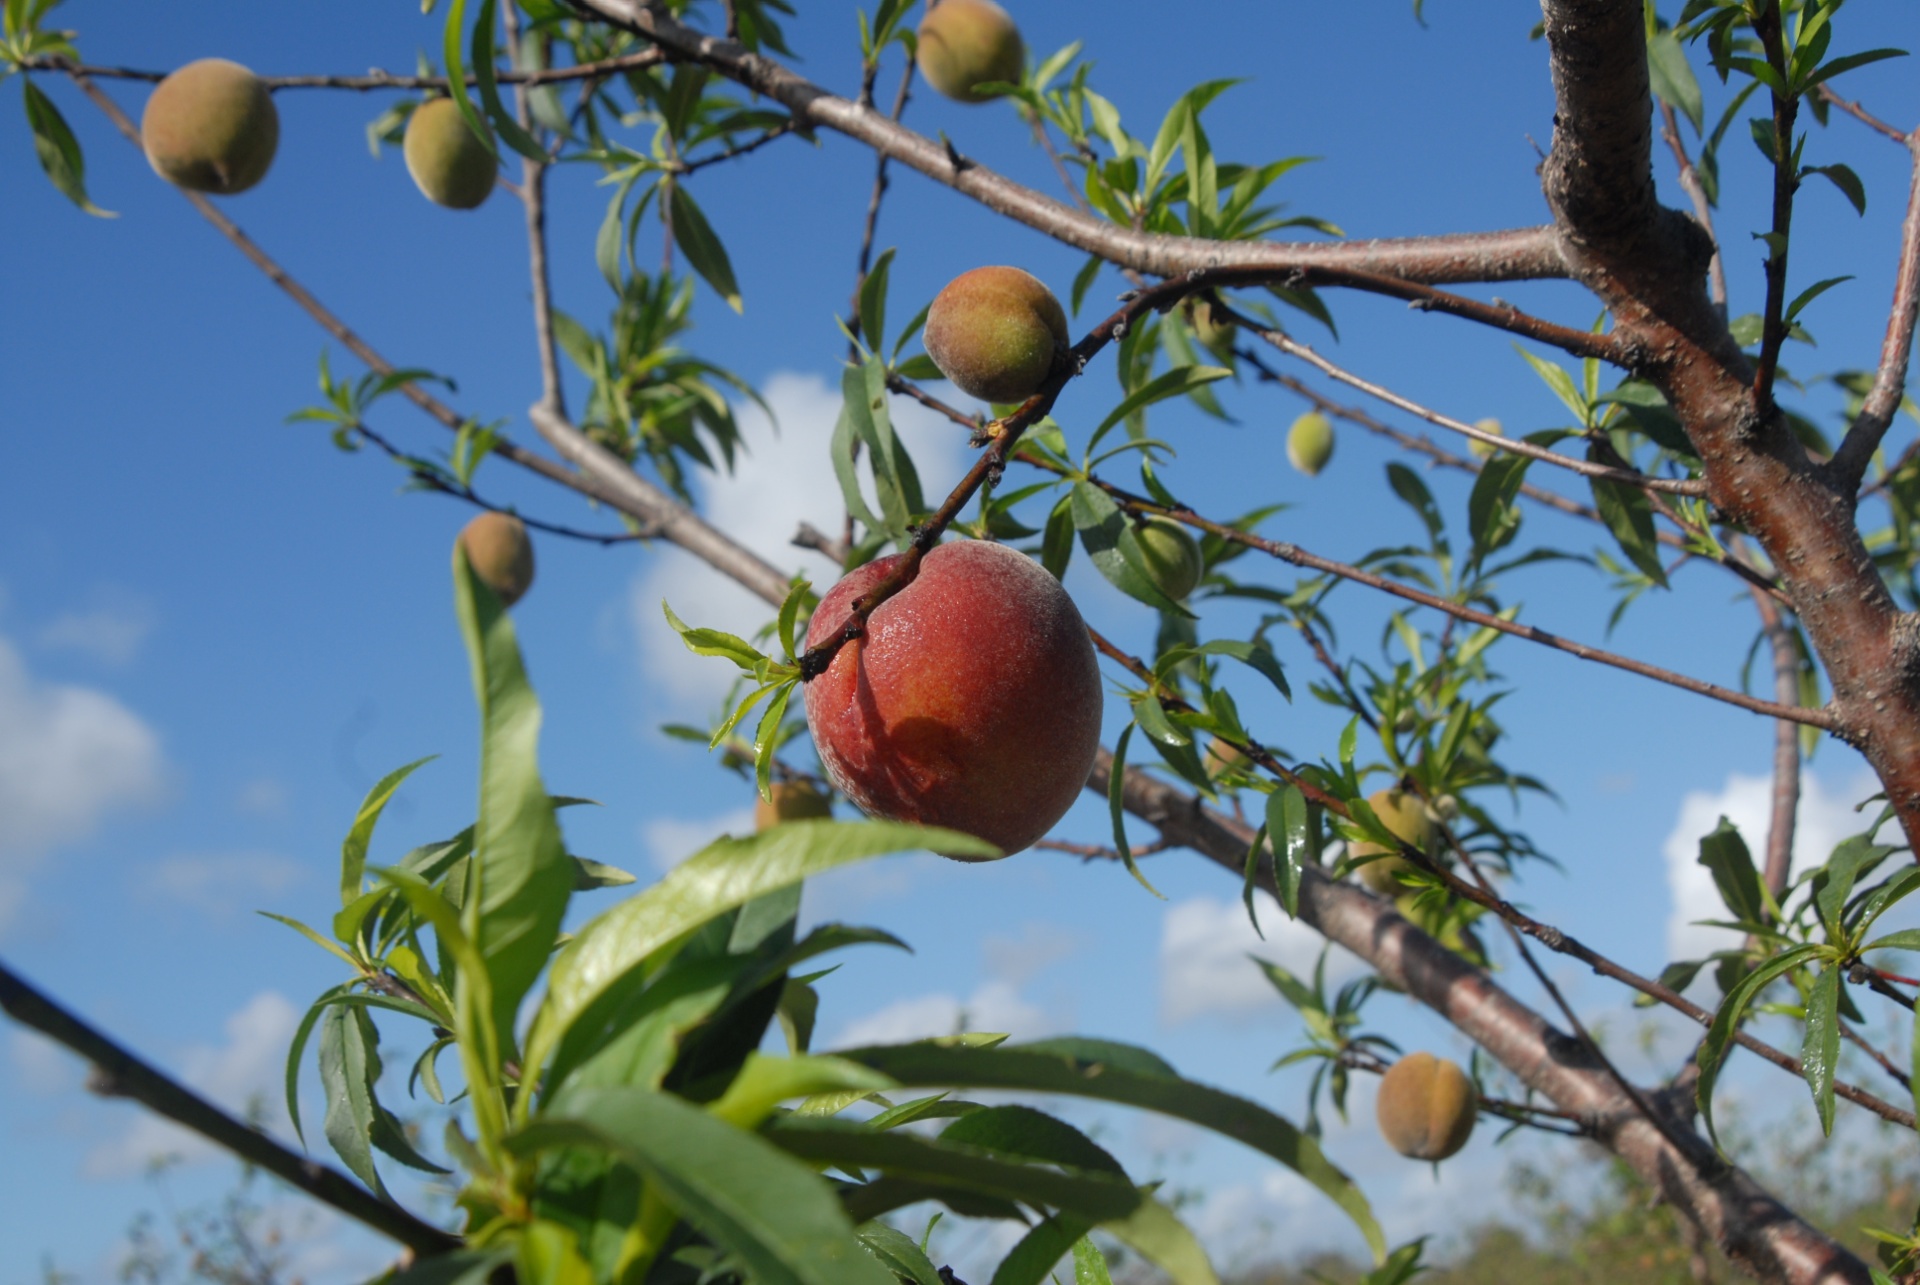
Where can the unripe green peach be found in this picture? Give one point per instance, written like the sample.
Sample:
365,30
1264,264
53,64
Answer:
500,553
964,43
971,701
1310,442
1223,758
1174,560
792,801
211,127
1480,448
450,164
995,332
1215,336
1405,816
1427,1107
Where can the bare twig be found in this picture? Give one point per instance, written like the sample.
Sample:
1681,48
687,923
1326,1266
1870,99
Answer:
1862,115
122,1074
1629,477
1697,194
374,79
1896,350
1786,744
1526,253
533,195
1099,852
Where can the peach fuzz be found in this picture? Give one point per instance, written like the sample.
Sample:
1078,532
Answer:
972,702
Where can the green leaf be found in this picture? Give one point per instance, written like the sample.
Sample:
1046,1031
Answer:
1714,1048
1492,517
1045,1244
58,150
486,76
696,239
1091,1071
1557,378
520,878
1289,821
349,1066
1257,656
1904,939
764,1082
1109,540
1156,1233
1724,854
873,301
1629,515
1672,78
1116,808
778,1217
299,1046
1840,66
714,642
1843,177
1027,1134
1094,1194
353,850
1090,1265
1832,887
723,876
1811,293
899,1254
1820,1051
1177,382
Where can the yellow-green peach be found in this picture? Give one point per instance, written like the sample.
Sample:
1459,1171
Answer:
1480,448
211,127
1310,442
500,553
450,164
1427,1107
1173,557
964,43
791,801
996,333
1405,816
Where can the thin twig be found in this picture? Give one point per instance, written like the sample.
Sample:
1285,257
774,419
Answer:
1099,852
1884,1062
375,79
120,1073
1773,328
1786,744
1702,208
533,195
1862,115
1890,378
1629,477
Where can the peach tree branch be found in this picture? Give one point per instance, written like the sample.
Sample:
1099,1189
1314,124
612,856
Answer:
119,1073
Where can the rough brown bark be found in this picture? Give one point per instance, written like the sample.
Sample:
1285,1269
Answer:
1758,1233
1648,265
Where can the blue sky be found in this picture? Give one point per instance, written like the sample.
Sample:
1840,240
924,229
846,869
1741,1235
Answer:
216,631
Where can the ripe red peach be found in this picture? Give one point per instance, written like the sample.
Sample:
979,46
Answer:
972,701
995,332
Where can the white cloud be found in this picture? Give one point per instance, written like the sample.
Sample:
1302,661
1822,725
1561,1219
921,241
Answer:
264,797
1204,944
111,632
993,1006
68,756
243,1074
781,480
41,1066
671,840
1826,817
222,883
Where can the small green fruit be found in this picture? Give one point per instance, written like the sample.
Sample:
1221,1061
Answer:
792,801
964,43
450,164
211,127
1485,449
1427,1107
995,332
1173,557
1215,336
1405,816
500,553
1310,442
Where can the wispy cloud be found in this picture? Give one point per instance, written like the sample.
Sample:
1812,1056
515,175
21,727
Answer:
112,631
1204,964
